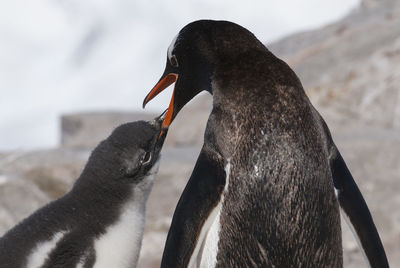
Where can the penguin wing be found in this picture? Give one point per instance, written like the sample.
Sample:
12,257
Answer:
356,213
201,195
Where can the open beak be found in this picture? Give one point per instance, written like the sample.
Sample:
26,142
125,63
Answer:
157,122
161,85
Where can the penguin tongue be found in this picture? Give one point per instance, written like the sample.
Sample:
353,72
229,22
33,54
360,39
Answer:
162,115
159,119
161,85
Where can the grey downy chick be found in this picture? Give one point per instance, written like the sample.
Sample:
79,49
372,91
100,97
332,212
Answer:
100,222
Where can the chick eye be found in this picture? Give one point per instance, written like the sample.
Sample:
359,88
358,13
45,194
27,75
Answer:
146,158
173,61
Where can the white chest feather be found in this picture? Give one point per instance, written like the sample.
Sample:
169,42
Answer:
120,245
42,250
207,256
205,252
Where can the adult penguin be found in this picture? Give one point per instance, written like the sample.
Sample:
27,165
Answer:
266,188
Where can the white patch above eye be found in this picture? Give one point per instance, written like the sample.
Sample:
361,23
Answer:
171,47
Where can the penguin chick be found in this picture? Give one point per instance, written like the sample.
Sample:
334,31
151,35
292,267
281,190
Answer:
100,222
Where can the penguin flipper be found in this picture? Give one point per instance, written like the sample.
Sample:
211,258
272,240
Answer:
202,193
354,207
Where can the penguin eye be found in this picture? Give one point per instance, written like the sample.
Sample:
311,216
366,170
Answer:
146,158
173,61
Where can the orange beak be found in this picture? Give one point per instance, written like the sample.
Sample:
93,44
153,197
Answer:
161,85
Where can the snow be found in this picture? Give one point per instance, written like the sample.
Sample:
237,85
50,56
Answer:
62,56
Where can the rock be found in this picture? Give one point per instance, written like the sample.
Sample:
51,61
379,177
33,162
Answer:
375,168
53,171
86,130
29,180
18,199
370,4
351,67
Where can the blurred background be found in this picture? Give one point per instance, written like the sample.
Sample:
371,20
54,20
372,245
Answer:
70,71
63,56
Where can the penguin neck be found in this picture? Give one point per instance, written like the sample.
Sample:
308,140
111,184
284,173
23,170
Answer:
225,122
247,108
92,192
126,231
99,194
121,213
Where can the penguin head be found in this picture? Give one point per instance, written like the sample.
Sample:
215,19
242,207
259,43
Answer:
194,55
129,155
